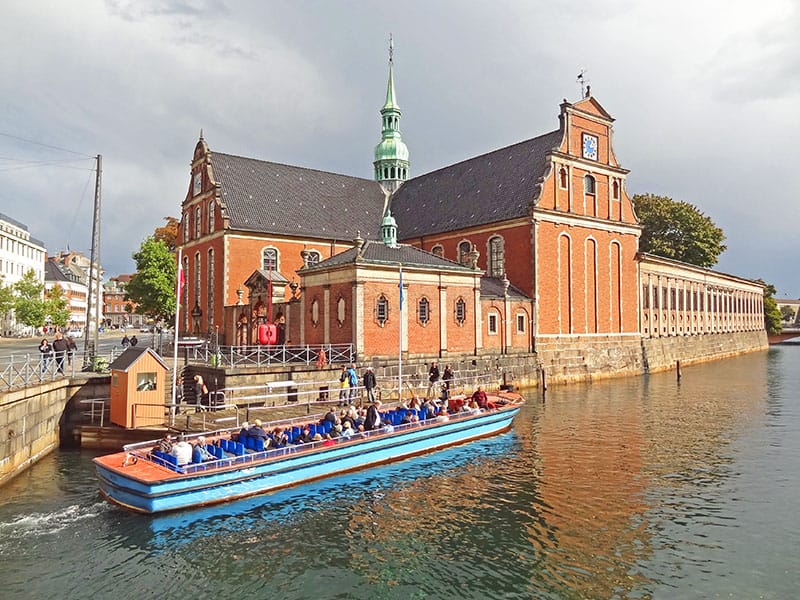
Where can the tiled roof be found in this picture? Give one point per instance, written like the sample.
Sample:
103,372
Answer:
492,287
493,187
378,253
124,361
270,197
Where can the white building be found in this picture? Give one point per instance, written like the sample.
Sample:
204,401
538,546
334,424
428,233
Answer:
19,253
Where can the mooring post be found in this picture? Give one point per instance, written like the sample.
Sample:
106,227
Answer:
678,370
544,380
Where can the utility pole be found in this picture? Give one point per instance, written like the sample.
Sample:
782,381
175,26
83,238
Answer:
90,349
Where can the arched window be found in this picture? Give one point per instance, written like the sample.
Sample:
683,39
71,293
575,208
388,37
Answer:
589,184
313,257
497,260
315,312
615,190
464,248
197,221
382,310
211,217
269,259
424,311
461,311
185,293
210,290
340,311
185,227
438,250
197,278
491,323
562,178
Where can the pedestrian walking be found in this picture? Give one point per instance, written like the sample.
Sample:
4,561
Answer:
46,352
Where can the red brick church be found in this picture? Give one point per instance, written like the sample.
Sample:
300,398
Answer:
532,247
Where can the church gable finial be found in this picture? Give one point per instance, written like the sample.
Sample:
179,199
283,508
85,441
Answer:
391,50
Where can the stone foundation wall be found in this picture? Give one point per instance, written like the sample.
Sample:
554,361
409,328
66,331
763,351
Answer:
664,353
584,358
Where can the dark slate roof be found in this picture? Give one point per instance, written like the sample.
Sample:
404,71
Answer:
274,198
125,360
378,253
31,239
54,271
492,287
493,187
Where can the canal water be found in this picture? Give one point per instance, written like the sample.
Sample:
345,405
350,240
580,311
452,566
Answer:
633,488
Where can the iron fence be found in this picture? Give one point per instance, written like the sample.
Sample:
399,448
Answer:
264,356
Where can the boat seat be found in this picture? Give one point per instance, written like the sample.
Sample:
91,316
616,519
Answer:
258,445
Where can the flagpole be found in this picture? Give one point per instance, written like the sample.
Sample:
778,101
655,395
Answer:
179,285
400,343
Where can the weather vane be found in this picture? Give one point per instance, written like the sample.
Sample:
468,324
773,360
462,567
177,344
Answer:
583,80
391,50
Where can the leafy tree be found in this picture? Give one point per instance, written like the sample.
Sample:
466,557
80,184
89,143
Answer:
152,288
787,313
6,297
29,308
55,306
168,233
772,316
678,230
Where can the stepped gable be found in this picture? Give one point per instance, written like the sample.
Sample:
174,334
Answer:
282,199
378,253
490,188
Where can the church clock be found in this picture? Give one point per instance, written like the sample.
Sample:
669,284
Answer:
589,146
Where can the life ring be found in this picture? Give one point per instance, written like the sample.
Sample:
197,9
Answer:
267,334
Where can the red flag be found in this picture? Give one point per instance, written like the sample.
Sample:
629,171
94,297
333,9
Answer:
181,280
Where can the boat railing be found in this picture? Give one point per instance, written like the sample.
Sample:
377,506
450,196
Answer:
143,450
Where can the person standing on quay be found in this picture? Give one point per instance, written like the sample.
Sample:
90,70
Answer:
369,384
46,351
60,348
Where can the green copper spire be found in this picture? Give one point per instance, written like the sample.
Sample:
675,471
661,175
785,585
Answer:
389,230
391,154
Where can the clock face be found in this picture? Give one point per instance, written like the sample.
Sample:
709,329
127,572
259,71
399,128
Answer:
589,146
198,183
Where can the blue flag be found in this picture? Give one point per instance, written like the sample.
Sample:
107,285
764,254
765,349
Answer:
401,288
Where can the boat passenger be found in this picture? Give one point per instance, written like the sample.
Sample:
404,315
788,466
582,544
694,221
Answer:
331,416
373,418
256,431
348,430
200,453
165,444
279,437
443,416
480,397
305,437
361,418
243,431
387,428
327,440
182,451
414,403
336,431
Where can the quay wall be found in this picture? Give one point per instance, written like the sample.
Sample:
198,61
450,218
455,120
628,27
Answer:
32,419
663,353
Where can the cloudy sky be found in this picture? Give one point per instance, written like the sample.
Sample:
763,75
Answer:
705,94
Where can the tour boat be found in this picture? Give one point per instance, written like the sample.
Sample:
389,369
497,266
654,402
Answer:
147,481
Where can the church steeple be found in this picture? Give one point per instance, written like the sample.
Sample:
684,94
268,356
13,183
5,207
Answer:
391,154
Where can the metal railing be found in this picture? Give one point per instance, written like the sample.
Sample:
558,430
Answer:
97,406
245,356
26,370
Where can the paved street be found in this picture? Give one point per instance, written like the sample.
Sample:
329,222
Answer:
107,341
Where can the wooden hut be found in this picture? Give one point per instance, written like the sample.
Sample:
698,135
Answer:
138,383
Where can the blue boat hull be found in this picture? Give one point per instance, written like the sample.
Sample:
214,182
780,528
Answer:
293,466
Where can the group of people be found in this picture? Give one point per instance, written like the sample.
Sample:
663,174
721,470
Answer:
59,350
184,451
348,384
129,341
434,376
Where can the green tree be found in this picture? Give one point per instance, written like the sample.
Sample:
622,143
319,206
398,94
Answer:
787,313
678,230
6,297
29,308
55,306
152,288
772,315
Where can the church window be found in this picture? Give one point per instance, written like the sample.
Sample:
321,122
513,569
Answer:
615,190
313,257
424,311
269,259
497,266
492,323
521,322
340,311
589,184
464,249
185,227
197,221
382,310
315,312
438,250
210,291
197,278
461,311
562,178
211,217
